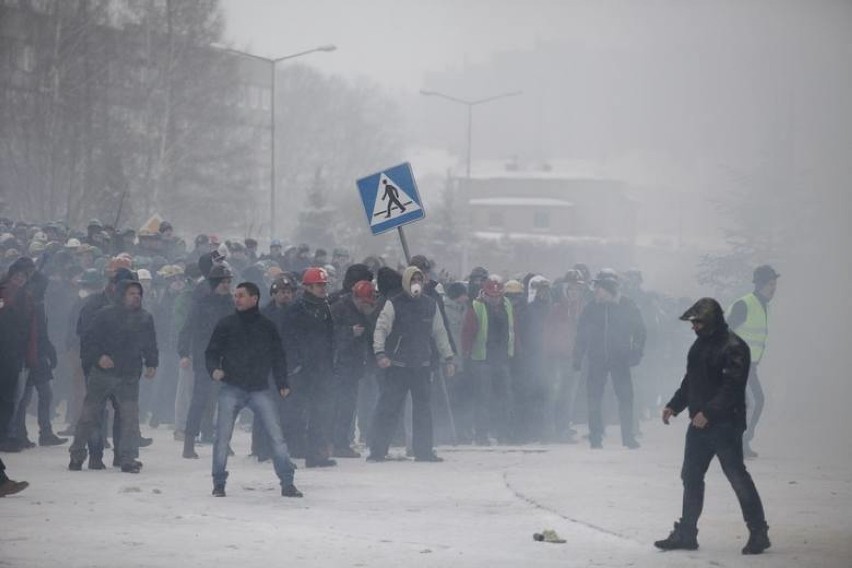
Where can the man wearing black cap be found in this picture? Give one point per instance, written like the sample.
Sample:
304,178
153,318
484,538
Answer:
612,334
713,389
748,317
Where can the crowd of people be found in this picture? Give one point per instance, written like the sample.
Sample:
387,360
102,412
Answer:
324,351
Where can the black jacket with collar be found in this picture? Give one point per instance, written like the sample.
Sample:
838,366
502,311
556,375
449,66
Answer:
309,336
247,347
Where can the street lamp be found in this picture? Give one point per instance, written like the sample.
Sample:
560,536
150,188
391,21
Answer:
469,104
273,61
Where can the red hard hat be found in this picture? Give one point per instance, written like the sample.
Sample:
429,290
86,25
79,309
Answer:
314,275
364,291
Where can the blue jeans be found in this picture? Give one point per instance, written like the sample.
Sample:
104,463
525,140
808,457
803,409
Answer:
233,399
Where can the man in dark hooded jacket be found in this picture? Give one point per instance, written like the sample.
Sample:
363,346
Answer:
116,345
714,391
92,305
16,314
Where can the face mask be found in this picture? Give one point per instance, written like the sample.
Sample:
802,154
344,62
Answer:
416,289
83,294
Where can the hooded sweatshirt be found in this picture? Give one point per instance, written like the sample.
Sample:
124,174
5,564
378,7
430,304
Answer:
126,336
407,325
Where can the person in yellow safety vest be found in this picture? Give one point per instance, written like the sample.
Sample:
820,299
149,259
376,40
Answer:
748,318
488,341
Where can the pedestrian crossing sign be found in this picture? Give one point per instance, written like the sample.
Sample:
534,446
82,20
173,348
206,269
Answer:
390,198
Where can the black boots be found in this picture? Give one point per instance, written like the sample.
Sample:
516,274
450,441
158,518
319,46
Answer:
9,487
290,491
319,462
76,464
189,448
758,540
681,538
218,491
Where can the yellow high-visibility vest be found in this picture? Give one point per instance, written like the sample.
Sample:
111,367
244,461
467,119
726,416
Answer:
478,352
755,328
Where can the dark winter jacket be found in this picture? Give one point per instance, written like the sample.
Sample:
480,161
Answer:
126,336
276,314
610,333
409,326
247,347
352,354
205,312
716,373
15,316
309,336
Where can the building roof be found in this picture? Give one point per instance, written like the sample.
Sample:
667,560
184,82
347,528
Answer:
520,202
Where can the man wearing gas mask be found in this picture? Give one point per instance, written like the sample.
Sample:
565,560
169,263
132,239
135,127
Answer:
405,328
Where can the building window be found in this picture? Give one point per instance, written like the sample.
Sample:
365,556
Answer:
495,220
265,98
541,220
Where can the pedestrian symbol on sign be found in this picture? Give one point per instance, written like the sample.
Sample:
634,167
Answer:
392,195
392,201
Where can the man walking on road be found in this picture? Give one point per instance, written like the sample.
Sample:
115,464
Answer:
714,391
244,349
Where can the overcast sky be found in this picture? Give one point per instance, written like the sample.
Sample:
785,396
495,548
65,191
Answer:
395,42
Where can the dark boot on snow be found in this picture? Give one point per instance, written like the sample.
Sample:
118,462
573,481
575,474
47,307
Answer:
758,540
681,538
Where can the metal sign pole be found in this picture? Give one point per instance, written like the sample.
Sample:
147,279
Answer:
404,245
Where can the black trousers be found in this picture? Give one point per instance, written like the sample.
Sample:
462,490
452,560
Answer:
309,415
9,374
623,386
400,381
204,392
724,441
492,399
45,399
345,407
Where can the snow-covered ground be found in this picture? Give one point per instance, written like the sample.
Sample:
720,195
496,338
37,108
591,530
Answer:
479,508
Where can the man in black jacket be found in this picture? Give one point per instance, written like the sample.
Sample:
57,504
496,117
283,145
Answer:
91,306
309,342
353,328
119,340
612,334
244,349
281,293
714,391
208,307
